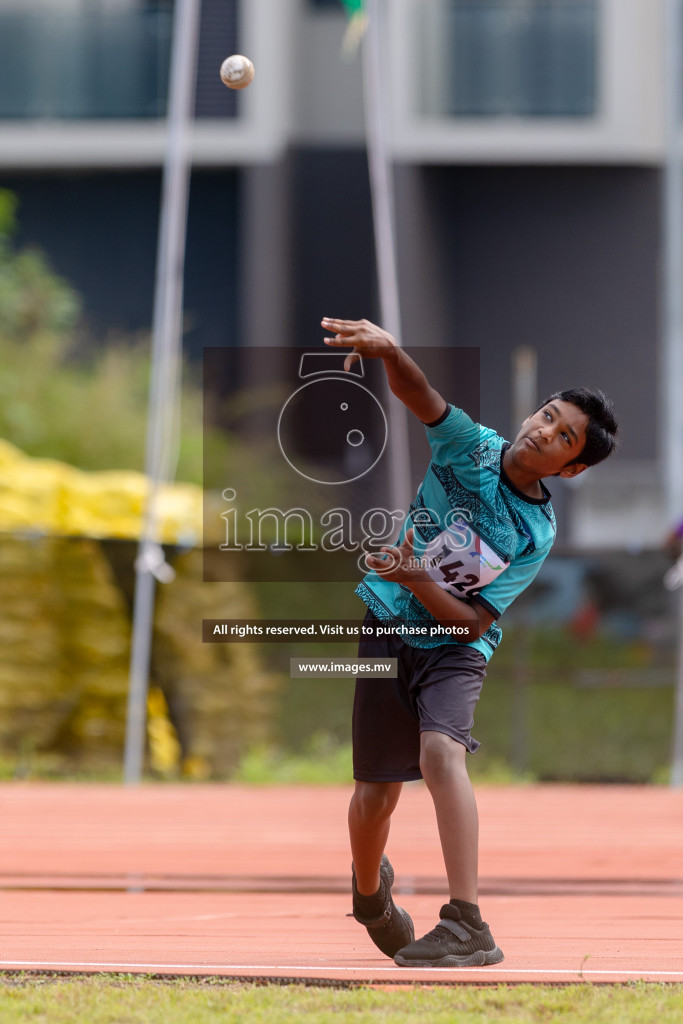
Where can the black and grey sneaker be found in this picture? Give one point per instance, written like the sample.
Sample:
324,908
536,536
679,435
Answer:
392,928
453,943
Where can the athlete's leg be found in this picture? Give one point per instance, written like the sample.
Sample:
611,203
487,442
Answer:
442,762
372,805
388,925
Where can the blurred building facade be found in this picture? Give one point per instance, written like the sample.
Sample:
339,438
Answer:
528,139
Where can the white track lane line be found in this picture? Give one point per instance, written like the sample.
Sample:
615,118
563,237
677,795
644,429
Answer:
280,968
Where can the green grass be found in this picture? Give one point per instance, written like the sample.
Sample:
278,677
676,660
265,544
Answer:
140,1000
535,720
324,761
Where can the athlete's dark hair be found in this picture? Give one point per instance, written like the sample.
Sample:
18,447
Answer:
601,433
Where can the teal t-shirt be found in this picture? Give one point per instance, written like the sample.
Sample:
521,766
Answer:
480,538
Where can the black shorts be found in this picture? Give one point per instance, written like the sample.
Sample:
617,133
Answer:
436,690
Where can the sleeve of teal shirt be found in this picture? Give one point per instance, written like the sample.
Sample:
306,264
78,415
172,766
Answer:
499,595
456,433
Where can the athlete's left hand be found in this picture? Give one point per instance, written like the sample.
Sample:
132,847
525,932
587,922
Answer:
399,564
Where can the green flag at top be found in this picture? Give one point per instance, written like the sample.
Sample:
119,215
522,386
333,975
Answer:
355,11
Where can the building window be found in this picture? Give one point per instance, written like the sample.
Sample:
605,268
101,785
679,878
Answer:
94,61
509,58
103,60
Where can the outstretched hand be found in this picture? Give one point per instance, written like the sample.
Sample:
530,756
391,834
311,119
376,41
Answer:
399,564
367,339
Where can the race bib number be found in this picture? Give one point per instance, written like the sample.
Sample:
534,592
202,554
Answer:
460,561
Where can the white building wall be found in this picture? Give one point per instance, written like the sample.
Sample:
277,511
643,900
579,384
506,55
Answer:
627,128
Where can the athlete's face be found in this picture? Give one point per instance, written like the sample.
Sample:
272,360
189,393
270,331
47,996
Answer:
550,439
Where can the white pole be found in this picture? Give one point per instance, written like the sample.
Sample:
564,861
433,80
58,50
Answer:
165,368
672,362
677,747
672,343
524,399
375,76
524,385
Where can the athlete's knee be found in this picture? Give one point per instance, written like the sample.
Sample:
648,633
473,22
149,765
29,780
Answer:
375,801
440,756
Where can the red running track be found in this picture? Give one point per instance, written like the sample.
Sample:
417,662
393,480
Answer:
577,883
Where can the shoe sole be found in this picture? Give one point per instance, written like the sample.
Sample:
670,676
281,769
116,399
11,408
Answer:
480,958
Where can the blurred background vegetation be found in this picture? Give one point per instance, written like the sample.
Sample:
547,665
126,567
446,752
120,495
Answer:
62,397
66,602
589,698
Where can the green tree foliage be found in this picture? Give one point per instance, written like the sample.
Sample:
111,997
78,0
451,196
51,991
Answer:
65,397
33,299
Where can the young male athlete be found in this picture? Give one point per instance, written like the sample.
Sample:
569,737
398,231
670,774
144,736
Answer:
476,536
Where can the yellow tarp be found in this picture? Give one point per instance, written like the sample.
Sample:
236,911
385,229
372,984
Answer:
50,497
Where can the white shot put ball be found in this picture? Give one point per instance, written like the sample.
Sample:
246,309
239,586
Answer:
237,71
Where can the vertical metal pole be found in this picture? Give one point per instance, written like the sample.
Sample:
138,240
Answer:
524,385
165,362
375,76
672,343
524,399
677,747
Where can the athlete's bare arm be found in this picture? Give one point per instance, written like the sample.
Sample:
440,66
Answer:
400,565
406,379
